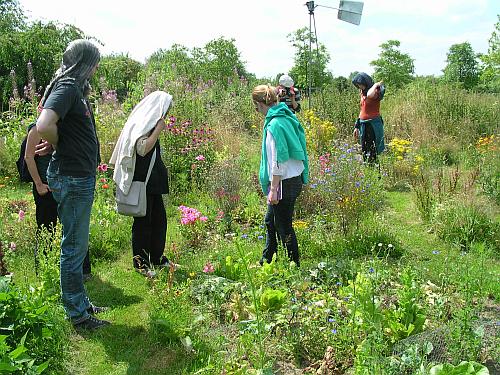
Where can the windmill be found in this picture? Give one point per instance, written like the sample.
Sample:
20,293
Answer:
348,11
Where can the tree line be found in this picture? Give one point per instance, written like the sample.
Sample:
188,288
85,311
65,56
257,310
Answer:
36,46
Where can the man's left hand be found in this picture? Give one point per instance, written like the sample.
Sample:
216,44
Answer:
43,148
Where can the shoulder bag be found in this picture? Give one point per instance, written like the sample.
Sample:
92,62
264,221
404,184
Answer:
134,203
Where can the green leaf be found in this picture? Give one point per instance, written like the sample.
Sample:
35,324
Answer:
42,367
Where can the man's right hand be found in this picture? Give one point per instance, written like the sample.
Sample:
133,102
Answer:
42,189
355,133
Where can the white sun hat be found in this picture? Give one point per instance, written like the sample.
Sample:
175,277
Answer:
286,80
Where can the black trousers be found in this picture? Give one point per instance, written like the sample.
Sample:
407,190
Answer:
368,146
278,222
149,233
46,217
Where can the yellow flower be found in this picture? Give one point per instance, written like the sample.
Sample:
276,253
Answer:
300,224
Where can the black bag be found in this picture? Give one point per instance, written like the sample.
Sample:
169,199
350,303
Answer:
22,168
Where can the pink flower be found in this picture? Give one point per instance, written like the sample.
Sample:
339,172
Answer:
209,268
21,215
13,246
200,158
203,218
102,167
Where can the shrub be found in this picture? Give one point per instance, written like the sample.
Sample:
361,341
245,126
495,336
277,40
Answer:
464,223
320,133
349,189
189,153
31,325
489,164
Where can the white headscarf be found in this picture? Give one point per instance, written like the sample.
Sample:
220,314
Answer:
141,121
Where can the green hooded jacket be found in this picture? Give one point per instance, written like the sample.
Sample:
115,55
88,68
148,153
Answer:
290,140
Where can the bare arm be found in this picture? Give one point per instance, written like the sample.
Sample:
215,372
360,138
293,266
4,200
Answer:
46,126
29,156
153,137
374,91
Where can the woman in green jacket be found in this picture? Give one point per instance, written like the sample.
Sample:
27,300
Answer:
283,170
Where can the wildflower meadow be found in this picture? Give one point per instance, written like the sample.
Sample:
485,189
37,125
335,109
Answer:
400,259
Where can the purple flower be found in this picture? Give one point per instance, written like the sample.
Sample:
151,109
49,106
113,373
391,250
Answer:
371,270
260,237
435,252
334,331
331,320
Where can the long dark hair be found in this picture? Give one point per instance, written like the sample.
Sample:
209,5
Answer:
363,79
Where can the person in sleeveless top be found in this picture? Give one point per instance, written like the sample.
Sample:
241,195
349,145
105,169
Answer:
132,155
369,127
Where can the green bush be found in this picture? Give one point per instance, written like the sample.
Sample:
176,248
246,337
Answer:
32,334
345,188
117,73
464,223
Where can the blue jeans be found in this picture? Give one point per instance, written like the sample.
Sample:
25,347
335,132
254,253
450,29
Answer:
74,197
278,222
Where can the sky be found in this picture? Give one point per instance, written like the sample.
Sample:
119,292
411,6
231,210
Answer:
426,28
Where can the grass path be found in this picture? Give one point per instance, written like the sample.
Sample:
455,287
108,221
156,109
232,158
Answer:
125,347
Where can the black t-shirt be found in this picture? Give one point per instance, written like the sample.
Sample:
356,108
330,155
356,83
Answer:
158,180
77,151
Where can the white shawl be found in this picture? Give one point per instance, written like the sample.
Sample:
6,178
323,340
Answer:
141,121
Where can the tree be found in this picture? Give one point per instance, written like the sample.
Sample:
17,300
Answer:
462,65
42,45
490,73
221,60
341,83
307,65
11,16
393,67
117,72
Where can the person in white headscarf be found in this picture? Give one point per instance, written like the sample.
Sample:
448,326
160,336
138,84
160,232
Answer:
288,94
67,123
131,157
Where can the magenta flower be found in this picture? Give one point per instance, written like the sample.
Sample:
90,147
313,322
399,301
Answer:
102,167
21,215
190,215
200,158
209,268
